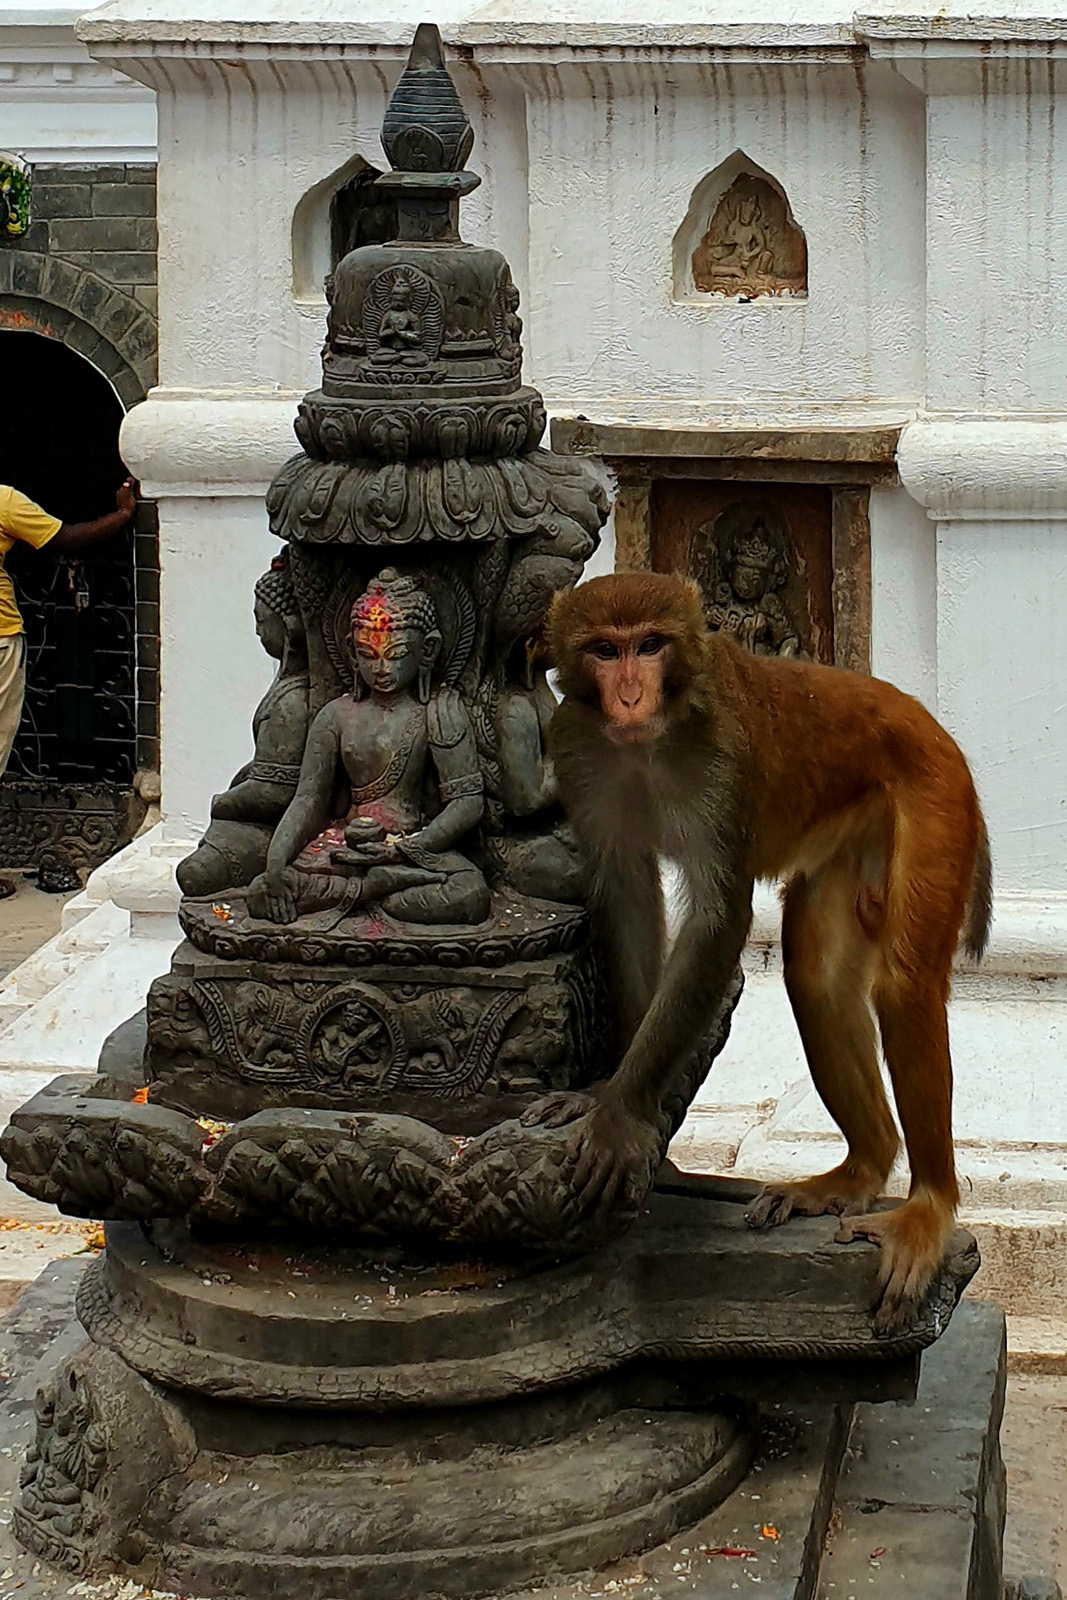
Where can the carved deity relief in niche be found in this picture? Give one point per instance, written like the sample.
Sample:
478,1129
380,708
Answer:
402,319
752,246
762,554
742,562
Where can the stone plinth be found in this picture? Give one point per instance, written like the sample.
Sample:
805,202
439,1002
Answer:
846,1495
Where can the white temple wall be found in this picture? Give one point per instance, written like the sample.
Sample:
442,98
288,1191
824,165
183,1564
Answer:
997,236
904,599
1001,584
615,155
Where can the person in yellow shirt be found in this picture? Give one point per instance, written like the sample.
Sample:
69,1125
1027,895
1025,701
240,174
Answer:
21,519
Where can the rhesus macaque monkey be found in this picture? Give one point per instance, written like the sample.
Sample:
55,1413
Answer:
674,742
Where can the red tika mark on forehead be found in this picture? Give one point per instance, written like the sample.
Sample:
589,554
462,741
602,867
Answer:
375,621
376,613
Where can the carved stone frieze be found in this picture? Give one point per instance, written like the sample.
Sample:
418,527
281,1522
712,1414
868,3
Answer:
458,500
262,1034
77,825
334,430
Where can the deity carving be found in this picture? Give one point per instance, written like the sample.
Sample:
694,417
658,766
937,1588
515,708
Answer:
402,319
511,340
64,1463
243,817
395,731
742,563
752,246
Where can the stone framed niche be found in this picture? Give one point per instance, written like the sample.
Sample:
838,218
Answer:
791,506
739,239
341,212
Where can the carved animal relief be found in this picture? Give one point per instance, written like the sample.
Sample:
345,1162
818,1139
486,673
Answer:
753,246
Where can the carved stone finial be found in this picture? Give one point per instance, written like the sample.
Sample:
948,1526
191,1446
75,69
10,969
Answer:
425,127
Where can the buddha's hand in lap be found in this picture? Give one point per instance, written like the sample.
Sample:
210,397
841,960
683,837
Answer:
375,853
271,896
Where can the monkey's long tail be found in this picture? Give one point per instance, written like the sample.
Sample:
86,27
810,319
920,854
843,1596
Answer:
980,903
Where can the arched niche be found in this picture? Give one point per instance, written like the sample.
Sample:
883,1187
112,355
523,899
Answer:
739,238
338,214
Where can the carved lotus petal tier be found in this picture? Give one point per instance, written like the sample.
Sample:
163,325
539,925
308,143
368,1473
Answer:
354,1175
493,944
403,503
85,1145
346,430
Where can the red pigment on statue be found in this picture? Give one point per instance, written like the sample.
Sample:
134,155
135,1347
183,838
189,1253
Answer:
375,620
382,812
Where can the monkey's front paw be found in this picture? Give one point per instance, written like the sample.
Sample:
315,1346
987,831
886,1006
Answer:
612,1151
557,1110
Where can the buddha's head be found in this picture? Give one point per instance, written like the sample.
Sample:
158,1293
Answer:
277,614
395,636
753,563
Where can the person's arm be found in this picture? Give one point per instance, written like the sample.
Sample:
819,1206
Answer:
75,536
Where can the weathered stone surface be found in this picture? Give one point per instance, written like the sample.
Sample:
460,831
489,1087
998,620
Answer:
381,1016
924,1485
799,1523
690,1282
875,446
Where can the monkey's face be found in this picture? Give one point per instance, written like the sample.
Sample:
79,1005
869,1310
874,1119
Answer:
629,668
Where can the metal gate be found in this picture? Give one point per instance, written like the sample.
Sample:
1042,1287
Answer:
65,801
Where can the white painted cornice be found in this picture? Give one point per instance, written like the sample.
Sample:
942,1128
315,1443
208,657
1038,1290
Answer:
986,468
185,443
58,104
517,30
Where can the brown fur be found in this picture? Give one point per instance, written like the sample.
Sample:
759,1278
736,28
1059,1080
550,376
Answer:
778,769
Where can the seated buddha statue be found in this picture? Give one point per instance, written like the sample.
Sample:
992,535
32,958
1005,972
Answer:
244,816
404,756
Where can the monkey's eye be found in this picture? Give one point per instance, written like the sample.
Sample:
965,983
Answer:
651,644
604,650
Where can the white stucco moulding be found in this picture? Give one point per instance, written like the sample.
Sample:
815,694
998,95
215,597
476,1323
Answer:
998,469
178,443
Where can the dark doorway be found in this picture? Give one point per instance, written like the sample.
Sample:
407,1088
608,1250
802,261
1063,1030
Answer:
69,777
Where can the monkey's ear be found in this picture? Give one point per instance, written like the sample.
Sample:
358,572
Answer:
694,597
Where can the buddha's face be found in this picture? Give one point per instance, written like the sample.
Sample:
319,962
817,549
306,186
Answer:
750,571
270,629
388,654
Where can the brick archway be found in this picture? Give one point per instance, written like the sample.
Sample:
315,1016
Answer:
111,329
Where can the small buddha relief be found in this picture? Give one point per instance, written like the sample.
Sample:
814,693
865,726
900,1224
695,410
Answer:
402,319
752,246
742,562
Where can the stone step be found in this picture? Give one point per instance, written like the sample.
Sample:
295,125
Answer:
1038,1345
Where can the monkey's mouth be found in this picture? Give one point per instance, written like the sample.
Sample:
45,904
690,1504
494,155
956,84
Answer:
647,731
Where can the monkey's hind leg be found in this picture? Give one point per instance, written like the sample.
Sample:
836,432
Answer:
830,958
911,1010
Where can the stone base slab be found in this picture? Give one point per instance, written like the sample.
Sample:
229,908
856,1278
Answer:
885,1500
272,1322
